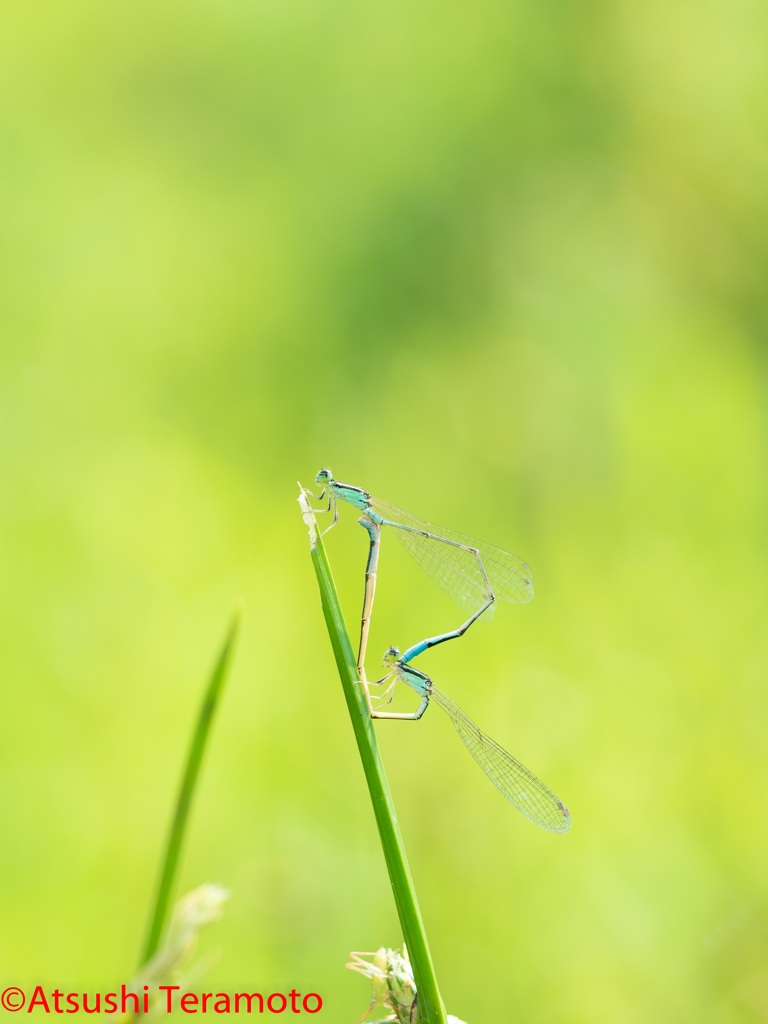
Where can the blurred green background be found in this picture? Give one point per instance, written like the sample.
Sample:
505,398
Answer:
501,263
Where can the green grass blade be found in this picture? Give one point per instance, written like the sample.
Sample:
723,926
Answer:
213,693
430,1004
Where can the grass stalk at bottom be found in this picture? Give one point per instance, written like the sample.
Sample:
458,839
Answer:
187,788
430,1005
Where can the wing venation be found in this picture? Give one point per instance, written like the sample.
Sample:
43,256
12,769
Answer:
527,793
455,570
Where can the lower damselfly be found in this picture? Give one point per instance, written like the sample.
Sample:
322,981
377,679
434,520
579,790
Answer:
527,793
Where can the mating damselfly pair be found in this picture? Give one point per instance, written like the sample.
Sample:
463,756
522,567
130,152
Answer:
474,575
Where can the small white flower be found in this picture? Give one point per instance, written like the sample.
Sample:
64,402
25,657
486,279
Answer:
394,990
192,912
393,997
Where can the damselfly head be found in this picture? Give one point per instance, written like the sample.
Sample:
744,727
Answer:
324,476
391,655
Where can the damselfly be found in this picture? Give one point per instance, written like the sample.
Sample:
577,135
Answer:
472,573
527,793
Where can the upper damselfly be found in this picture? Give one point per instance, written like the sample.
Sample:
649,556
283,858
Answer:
472,573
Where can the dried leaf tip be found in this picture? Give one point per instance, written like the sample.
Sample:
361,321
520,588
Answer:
308,516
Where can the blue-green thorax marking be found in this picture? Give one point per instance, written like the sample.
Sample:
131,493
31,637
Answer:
337,490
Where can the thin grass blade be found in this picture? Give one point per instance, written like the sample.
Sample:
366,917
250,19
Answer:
213,692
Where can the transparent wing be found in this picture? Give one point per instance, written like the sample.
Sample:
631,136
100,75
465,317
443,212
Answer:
523,790
456,571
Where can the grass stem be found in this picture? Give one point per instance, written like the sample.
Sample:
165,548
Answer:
430,1005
